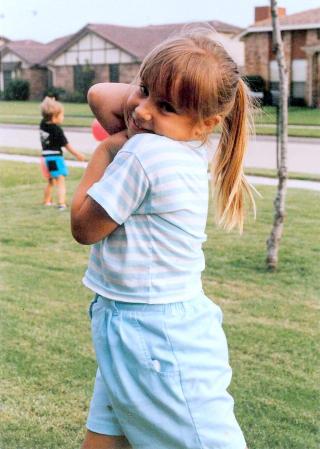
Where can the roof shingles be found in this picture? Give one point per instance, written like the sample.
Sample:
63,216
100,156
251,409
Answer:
309,17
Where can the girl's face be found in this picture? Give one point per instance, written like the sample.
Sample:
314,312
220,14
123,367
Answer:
147,113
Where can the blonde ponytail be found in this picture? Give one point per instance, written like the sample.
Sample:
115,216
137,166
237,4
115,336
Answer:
230,186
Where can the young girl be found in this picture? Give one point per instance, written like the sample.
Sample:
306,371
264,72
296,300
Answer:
163,368
52,140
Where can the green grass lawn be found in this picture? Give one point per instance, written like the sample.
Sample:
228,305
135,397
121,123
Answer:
47,363
297,116
20,112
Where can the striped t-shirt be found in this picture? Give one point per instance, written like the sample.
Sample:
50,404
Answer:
156,189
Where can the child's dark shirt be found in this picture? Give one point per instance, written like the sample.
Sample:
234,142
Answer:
52,139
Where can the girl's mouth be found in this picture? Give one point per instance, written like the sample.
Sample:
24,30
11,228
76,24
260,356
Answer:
135,127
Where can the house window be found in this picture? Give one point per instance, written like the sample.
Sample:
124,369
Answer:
298,78
77,77
50,79
7,77
83,76
114,73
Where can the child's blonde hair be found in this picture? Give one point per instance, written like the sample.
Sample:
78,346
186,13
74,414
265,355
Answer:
198,76
50,107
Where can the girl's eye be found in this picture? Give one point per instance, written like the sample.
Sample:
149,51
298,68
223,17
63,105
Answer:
167,107
144,90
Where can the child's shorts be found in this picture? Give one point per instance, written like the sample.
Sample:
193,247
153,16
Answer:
163,374
56,166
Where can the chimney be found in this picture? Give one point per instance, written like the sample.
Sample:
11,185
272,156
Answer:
264,12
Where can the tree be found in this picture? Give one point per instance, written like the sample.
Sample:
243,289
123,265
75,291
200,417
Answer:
273,241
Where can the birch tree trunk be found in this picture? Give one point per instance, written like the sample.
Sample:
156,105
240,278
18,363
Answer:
273,241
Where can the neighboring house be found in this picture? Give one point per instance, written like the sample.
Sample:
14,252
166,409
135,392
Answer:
115,52
109,52
301,37
3,41
22,59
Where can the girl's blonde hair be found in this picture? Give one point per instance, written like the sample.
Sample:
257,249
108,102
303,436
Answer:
50,107
197,75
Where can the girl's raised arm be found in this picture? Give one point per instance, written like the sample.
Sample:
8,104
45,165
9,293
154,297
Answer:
107,101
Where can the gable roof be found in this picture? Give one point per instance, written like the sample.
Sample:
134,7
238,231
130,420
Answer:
299,21
137,41
30,51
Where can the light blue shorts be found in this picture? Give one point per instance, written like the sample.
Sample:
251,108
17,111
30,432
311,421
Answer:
163,374
56,166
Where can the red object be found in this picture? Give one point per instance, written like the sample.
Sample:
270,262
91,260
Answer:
44,168
99,133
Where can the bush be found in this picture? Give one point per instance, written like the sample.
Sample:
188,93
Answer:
74,97
17,89
255,82
55,92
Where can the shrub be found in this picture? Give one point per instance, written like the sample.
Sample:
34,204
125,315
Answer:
255,82
55,92
17,89
74,97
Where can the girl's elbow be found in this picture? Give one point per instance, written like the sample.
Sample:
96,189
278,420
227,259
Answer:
80,233
80,236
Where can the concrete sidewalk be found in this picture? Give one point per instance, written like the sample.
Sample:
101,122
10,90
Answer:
256,180
303,154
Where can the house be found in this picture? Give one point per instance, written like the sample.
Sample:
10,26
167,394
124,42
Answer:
23,59
114,53
301,37
105,52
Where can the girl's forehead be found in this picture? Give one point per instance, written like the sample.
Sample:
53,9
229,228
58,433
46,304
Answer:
160,89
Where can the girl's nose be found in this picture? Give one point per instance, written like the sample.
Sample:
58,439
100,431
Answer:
143,111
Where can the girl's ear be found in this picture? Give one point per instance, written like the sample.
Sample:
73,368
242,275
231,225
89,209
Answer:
207,125
211,122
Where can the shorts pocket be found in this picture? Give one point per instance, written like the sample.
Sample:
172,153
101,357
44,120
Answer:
93,302
155,347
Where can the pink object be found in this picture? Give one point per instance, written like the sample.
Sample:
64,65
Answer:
44,168
99,133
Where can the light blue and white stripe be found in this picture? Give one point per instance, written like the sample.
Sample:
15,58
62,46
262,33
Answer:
156,189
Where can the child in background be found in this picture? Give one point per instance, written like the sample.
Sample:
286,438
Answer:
52,140
163,369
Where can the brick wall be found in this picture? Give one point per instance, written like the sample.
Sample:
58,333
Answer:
128,72
257,49
63,77
101,73
298,41
38,79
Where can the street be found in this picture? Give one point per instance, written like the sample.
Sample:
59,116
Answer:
303,154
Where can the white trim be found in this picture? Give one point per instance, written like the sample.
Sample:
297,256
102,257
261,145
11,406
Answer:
282,27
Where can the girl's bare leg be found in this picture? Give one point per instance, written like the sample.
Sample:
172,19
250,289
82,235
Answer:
61,190
47,199
97,441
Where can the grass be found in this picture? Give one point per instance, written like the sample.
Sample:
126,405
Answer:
28,113
19,112
270,130
47,364
297,116
250,171
32,152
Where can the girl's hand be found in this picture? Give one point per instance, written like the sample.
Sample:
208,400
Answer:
81,157
116,142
